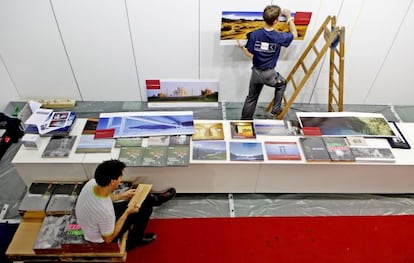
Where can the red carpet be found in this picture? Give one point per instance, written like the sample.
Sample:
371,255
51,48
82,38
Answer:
280,239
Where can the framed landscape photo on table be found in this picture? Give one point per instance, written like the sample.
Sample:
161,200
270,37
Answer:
143,124
345,124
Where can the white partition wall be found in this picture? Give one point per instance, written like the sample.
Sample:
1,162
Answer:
165,36
8,92
370,39
393,81
97,38
106,49
33,52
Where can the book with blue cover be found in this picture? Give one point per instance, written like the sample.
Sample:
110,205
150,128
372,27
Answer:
56,123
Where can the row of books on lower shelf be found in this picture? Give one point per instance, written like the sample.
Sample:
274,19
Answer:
312,148
346,149
56,198
48,198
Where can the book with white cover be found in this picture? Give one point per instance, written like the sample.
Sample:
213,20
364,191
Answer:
377,150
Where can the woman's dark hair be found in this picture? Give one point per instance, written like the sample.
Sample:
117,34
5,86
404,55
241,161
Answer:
107,171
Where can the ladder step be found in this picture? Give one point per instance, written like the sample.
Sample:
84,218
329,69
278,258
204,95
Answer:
315,50
335,84
305,69
294,84
332,36
336,68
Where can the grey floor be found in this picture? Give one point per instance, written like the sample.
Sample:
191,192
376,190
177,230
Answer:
12,187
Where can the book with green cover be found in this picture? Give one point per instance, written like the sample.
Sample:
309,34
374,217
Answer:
131,156
178,155
154,156
338,149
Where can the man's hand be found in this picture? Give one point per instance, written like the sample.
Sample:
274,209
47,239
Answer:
286,13
128,194
133,207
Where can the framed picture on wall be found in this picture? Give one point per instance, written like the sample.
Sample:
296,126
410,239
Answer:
235,25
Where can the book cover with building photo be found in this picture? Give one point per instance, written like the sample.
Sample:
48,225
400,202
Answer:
242,130
377,150
180,139
211,130
163,140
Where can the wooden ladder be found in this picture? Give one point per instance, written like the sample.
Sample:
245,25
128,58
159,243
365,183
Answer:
333,38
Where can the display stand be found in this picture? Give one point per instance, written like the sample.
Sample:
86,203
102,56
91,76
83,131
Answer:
237,177
32,167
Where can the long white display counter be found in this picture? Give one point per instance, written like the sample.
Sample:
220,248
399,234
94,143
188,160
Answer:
235,177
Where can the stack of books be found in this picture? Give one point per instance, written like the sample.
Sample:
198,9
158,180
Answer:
47,122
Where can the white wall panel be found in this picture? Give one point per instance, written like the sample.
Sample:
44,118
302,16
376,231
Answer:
106,49
166,39
8,92
395,80
373,27
32,50
97,38
226,63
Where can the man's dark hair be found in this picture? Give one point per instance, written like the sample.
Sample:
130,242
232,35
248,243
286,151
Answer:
271,14
108,170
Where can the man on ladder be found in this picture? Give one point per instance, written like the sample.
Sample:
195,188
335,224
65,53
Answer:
263,47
